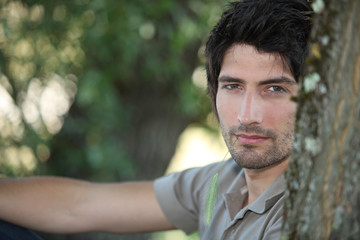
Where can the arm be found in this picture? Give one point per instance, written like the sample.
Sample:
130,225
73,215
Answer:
63,205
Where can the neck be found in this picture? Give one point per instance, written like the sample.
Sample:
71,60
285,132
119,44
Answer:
258,180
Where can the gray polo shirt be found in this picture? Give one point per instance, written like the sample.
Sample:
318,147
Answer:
182,197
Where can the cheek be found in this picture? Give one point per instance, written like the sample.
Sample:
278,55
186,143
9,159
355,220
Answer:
226,109
283,116
292,112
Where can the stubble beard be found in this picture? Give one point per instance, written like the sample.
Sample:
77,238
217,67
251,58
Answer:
249,156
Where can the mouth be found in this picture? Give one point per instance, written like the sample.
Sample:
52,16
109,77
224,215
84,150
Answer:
251,138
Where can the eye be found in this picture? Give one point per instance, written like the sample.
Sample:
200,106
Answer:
277,89
232,86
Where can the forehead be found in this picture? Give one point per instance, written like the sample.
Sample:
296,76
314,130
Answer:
244,61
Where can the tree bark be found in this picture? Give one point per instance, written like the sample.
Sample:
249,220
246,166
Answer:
323,197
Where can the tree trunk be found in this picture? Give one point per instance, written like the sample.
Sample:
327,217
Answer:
323,194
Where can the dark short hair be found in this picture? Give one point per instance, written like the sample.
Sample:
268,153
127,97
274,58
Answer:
271,26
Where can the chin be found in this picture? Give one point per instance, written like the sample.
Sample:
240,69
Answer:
257,164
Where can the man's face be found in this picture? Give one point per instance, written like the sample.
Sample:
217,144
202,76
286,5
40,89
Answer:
255,107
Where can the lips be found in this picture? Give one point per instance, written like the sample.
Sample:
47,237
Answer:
251,139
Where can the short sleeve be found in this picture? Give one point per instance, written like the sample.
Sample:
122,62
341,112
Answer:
179,195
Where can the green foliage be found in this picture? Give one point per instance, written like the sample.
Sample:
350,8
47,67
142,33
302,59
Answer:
99,89
85,78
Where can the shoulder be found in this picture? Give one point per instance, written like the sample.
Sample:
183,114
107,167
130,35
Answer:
180,194
191,186
196,177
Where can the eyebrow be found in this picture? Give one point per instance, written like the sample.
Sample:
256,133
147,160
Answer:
283,79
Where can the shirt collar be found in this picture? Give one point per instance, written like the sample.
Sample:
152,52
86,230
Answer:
238,191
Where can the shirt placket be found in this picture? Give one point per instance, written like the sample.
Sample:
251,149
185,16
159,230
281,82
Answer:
230,232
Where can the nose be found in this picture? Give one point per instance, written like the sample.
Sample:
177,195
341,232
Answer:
250,110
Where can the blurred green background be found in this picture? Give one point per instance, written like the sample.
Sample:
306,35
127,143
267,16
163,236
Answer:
101,89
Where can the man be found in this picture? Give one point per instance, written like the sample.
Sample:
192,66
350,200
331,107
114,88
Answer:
254,58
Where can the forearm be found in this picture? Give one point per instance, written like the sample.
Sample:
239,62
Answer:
42,203
63,205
